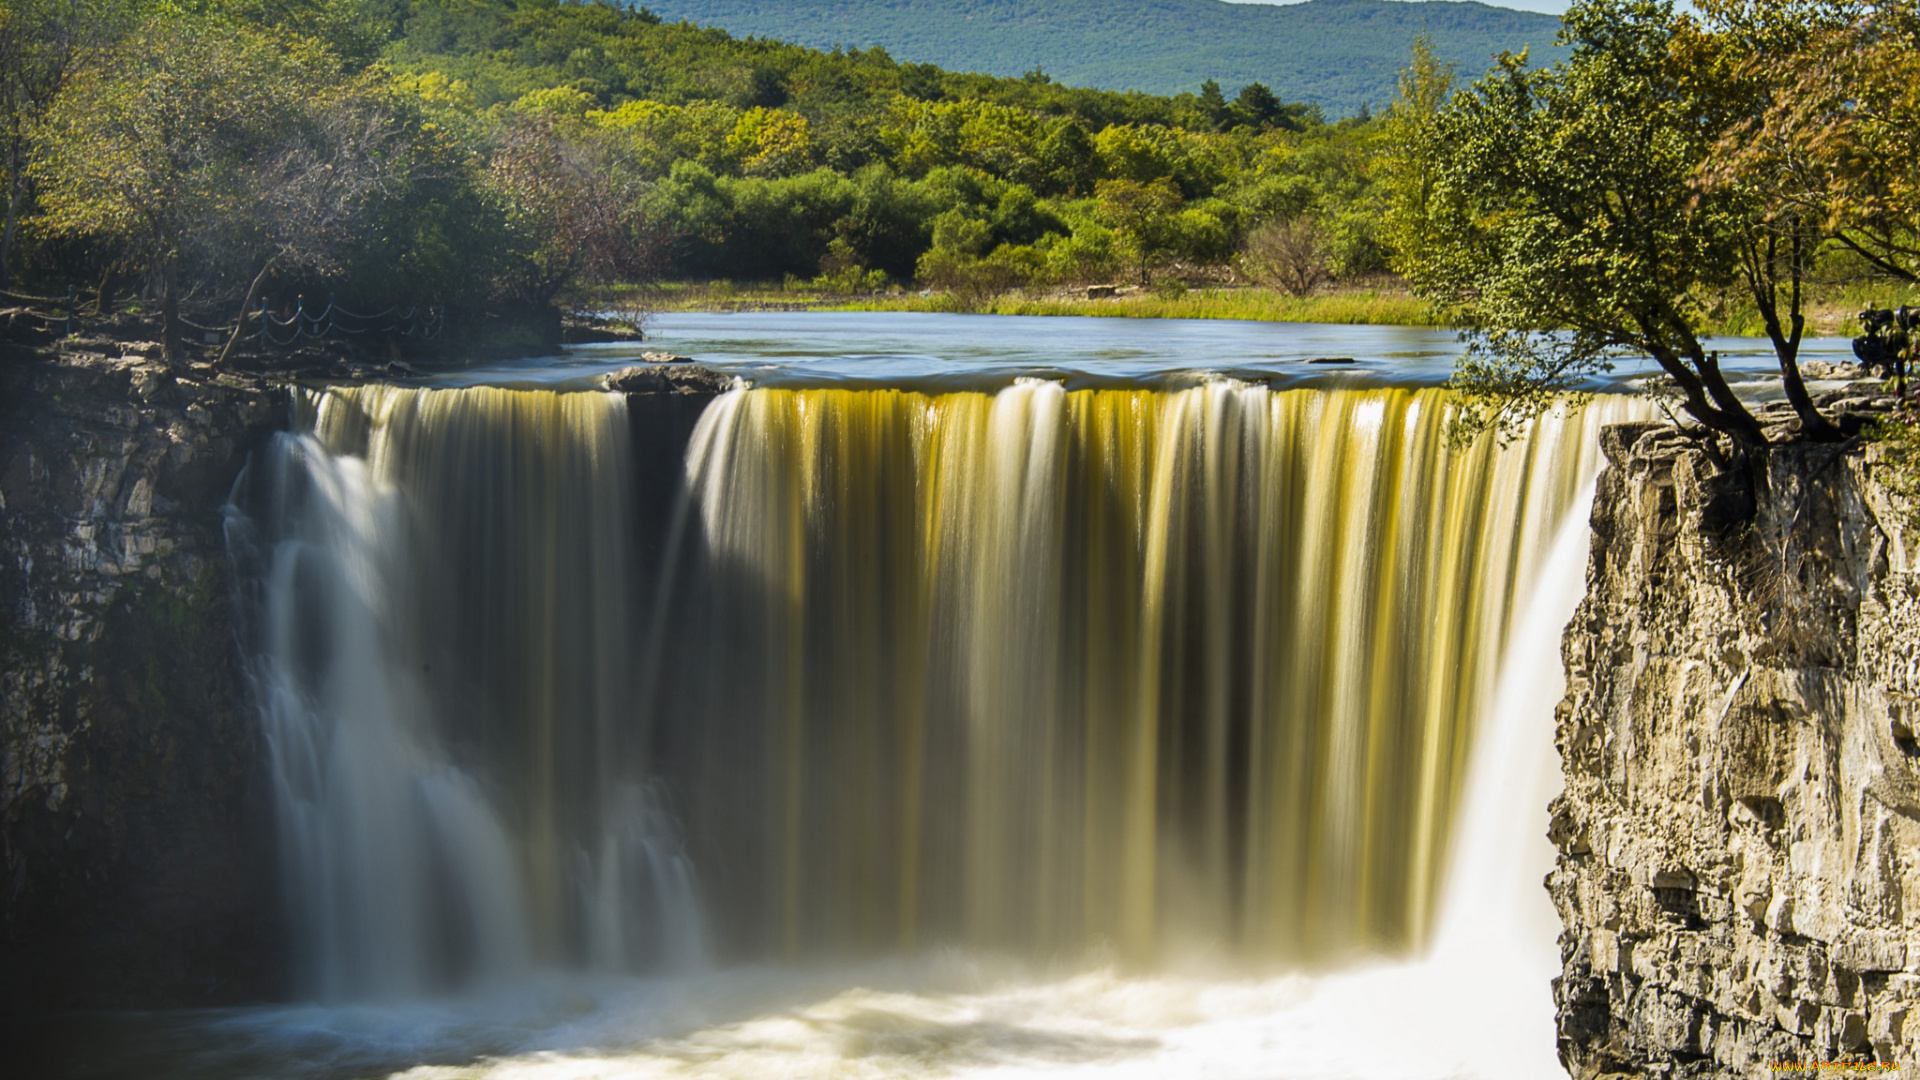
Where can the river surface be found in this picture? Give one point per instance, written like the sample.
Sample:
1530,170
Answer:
1472,1002
934,351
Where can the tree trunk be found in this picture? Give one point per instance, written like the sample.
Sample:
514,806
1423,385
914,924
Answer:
170,347
1786,344
1738,421
103,296
240,323
16,191
1813,425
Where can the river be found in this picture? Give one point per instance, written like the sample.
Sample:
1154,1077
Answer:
1009,697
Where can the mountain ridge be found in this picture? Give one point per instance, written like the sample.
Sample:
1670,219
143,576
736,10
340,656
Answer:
1342,55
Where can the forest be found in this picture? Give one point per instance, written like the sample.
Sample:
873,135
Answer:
1339,54
509,155
211,159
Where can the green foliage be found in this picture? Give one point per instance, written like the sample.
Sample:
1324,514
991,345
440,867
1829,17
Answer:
1145,219
1562,221
173,140
473,152
1408,169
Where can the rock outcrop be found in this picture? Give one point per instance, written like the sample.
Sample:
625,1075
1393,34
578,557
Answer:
136,857
1739,840
137,839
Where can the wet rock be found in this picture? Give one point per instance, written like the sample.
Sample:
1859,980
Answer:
669,378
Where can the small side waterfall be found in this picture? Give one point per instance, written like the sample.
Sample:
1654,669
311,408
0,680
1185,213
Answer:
444,615
1160,673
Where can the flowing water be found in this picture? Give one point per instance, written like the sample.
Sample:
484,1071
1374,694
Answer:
1190,728
913,350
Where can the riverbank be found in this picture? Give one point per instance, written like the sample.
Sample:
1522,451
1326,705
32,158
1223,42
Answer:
1832,313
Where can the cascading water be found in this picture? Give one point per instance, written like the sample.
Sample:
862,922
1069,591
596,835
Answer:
1044,669
445,615
1171,676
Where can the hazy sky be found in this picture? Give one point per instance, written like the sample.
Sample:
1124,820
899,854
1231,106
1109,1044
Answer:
1553,6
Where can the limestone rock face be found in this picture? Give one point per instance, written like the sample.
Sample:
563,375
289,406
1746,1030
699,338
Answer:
1739,840
136,832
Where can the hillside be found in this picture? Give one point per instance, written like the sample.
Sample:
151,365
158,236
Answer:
1340,54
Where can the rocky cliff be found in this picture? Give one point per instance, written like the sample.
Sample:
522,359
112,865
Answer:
135,832
137,858
1739,840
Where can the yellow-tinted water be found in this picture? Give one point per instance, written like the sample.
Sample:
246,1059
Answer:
1043,670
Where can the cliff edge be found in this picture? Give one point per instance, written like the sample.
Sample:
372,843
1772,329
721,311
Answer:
136,837
1739,839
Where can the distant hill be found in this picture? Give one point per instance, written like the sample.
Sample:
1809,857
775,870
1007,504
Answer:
1337,53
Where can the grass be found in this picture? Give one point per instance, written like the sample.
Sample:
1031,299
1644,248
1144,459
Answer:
1369,304
1258,305
1830,314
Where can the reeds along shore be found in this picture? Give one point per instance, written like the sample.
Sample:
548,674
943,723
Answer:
1831,314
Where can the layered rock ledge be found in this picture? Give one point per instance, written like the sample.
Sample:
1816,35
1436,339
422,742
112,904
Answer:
1739,839
135,829
138,865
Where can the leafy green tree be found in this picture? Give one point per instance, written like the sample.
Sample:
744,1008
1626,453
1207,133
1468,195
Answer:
1832,119
1144,218
1214,111
1257,107
771,142
1067,159
1564,223
1408,167
154,142
654,136
41,43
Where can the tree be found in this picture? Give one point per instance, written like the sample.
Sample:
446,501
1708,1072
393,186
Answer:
1290,255
1564,222
152,142
1066,156
1832,137
307,195
1144,217
41,41
1214,112
1408,167
1257,107
1778,196
575,218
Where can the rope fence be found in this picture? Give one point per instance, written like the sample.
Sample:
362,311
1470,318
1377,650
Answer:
334,319
20,306
54,313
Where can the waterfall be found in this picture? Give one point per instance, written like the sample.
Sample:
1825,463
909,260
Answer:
1043,670
1156,674
443,607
